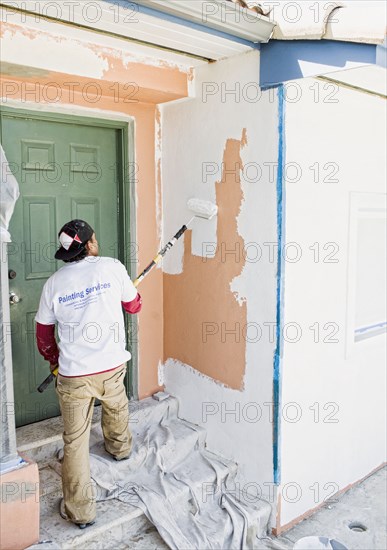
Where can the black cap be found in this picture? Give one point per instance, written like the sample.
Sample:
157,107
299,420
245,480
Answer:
73,237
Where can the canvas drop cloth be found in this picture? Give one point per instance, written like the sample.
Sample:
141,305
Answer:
188,493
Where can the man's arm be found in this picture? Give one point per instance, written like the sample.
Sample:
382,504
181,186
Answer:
130,298
47,346
134,306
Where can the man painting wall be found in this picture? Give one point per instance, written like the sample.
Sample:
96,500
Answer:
85,299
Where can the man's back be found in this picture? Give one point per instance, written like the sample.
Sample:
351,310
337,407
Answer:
84,298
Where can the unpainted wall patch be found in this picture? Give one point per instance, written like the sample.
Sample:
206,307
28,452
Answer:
203,321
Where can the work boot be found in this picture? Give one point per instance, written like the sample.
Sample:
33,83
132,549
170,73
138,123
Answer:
63,514
116,458
119,459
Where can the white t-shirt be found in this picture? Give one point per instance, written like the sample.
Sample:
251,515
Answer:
84,298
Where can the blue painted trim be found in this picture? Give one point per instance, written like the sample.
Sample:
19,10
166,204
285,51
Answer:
370,327
183,22
381,54
280,287
281,59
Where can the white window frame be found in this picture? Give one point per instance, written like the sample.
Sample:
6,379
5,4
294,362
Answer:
373,205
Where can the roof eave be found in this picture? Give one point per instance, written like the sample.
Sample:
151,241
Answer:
220,15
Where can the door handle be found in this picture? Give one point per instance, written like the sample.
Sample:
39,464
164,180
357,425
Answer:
13,298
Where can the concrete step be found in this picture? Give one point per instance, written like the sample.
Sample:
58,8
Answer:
148,539
116,523
41,441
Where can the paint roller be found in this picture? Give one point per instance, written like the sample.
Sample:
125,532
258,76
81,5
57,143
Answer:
201,209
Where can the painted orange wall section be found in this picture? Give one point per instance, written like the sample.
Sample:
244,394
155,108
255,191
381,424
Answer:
199,307
157,84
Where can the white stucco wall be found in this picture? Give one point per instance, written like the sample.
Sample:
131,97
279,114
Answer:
335,137
194,132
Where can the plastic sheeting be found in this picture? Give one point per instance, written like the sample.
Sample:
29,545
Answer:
187,492
9,195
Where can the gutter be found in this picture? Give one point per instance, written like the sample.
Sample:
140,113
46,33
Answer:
220,15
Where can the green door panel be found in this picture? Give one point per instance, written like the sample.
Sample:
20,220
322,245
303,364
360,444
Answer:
65,171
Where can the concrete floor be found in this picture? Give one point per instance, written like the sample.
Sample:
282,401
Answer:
365,503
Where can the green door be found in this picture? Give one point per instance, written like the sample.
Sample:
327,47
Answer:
66,169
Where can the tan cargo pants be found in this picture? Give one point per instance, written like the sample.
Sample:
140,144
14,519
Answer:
76,399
